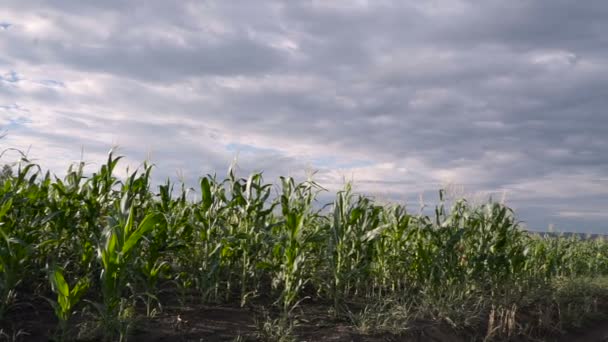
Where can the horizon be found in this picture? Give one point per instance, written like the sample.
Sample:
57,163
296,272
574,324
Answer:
403,98
424,204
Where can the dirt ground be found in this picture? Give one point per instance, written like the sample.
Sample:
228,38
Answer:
598,333
36,322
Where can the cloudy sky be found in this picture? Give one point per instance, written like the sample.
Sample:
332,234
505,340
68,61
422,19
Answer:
404,97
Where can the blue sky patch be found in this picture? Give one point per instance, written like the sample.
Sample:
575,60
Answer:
11,77
16,123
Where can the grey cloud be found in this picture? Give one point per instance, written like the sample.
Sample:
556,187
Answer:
154,61
498,95
528,24
134,43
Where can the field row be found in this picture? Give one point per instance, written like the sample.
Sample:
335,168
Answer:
117,248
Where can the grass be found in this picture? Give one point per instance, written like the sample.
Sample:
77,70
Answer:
122,245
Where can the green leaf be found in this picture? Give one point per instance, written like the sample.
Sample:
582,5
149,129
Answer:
206,193
60,285
6,207
108,254
374,233
248,187
79,289
145,226
129,225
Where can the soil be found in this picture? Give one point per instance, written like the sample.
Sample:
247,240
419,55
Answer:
36,322
597,333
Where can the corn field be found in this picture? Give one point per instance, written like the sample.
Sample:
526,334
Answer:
118,247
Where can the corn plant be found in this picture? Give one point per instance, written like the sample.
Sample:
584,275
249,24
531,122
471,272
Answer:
14,257
67,298
295,237
234,240
121,239
355,224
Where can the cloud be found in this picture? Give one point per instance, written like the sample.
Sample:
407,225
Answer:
402,97
584,214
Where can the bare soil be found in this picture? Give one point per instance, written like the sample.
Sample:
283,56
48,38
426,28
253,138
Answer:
36,322
599,333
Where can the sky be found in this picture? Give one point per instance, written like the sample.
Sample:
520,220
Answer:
488,98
